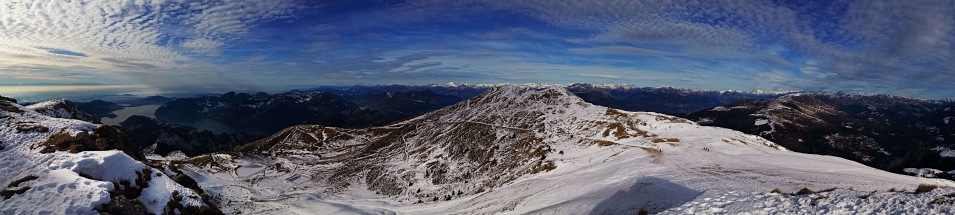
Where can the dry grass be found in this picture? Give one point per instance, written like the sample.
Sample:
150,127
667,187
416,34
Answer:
615,112
32,127
924,188
672,119
945,199
896,190
665,140
776,191
828,190
656,154
604,143
866,196
804,191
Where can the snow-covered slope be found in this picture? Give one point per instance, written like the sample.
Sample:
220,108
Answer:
64,166
517,150
62,108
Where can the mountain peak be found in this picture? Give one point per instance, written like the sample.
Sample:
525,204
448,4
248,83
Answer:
520,94
62,108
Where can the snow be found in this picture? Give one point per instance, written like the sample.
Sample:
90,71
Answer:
923,172
946,119
840,201
762,122
945,152
59,188
709,170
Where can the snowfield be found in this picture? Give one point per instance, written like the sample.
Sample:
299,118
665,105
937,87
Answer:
68,183
511,150
605,162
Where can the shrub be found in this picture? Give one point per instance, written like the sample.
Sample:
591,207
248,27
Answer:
642,212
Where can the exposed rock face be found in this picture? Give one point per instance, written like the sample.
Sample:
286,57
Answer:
62,108
8,104
885,132
104,138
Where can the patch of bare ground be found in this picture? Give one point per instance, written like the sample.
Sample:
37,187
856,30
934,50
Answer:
665,140
718,170
604,143
29,126
615,112
103,138
924,188
672,119
945,199
6,104
804,191
656,154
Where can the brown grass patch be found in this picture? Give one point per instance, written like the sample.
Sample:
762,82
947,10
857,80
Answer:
26,127
656,154
776,191
615,112
604,143
924,188
665,140
804,191
672,119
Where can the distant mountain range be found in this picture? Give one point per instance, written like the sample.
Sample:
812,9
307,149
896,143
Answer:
510,149
516,149
364,106
887,132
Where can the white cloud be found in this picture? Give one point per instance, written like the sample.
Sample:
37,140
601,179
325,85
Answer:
134,32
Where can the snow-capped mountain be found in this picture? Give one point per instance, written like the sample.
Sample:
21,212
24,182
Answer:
517,150
886,132
54,165
61,108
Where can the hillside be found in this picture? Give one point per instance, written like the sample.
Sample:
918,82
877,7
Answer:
886,132
68,166
515,149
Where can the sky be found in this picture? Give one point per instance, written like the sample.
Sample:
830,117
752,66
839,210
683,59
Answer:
892,47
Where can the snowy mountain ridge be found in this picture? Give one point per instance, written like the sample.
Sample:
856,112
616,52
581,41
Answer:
517,150
66,166
61,108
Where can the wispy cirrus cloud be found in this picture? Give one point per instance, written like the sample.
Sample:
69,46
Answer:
852,45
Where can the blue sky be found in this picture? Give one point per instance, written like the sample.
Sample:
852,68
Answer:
893,47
